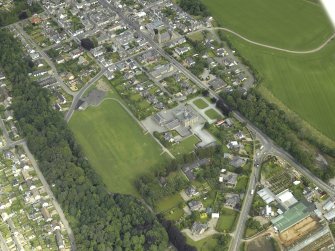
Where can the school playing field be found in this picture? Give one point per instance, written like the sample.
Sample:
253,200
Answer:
304,83
115,145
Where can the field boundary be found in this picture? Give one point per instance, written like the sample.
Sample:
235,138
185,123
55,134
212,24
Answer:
265,45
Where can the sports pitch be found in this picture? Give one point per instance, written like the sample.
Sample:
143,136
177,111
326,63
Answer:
115,145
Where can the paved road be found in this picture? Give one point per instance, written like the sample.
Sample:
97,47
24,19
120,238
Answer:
269,46
80,94
45,57
54,201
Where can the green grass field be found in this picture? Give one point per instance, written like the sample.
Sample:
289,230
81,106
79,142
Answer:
185,146
301,84
212,114
291,24
200,103
115,145
227,220
207,244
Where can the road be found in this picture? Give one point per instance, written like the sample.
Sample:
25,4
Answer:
80,94
45,57
54,201
5,132
269,148
320,47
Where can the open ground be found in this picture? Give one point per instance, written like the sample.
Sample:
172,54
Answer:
115,145
302,84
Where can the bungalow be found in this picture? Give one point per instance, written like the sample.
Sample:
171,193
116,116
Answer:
237,161
195,205
198,228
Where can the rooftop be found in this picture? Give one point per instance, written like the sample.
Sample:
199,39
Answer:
291,217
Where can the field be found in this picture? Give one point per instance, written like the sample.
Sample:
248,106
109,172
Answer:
227,220
299,83
282,23
207,244
115,145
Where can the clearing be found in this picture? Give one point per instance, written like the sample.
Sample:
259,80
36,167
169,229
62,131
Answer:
115,145
283,23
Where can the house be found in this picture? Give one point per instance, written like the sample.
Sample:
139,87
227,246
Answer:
168,137
46,215
182,50
228,122
160,70
76,53
220,52
217,84
191,191
228,178
39,73
239,135
195,205
198,228
232,200
190,61
237,161
233,145
59,239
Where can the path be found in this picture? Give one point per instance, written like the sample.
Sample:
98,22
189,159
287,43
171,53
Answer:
54,201
265,45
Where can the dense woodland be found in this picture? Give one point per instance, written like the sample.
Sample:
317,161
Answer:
194,7
21,10
100,221
284,131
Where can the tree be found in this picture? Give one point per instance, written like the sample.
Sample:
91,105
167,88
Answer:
87,44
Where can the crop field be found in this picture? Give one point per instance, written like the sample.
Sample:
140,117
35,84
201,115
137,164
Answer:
115,145
300,83
303,83
281,23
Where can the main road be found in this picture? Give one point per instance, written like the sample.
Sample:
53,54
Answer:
269,148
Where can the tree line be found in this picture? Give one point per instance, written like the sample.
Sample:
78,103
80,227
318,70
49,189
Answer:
194,7
99,220
284,131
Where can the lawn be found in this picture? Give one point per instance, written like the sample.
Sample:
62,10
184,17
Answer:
212,114
185,146
168,203
283,23
207,244
115,145
227,220
200,103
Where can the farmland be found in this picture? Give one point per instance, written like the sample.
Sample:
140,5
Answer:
301,84
115,145
262,21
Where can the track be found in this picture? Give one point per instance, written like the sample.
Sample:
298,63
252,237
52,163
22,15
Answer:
268,46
